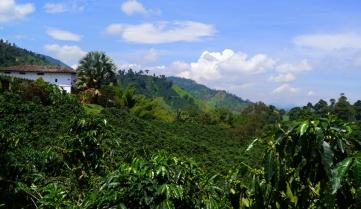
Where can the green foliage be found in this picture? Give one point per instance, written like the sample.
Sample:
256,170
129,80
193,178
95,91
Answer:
95,70
341,108
54,155
126,150
11,55
308,166
154,87
211,98
161,182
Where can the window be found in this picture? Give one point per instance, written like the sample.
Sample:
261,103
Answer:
40,73
7,72
22,73
56,80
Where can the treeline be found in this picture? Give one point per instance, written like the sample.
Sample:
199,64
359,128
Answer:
341,108
153,86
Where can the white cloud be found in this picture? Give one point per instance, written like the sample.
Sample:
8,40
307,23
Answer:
162,32
152,55
310,93
215,65
329,41
68,54
63,35
304,65
179,66
131,7
54,8
283,77
10,10
65,6
285,88
241,62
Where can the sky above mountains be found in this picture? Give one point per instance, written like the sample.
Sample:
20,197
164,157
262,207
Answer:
281,52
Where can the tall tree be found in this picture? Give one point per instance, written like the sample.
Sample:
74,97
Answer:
321,108
357,108
95,70
343,109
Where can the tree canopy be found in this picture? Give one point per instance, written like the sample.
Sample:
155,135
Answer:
95,70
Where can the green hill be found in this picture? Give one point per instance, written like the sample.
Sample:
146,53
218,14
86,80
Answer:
174,97
10,54
212,98
179,93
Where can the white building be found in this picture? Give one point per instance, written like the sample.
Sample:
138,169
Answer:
63,77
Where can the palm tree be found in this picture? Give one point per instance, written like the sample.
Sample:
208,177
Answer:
95,70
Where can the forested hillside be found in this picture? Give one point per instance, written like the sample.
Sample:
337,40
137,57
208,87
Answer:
153,86
212,98
10,55
180,93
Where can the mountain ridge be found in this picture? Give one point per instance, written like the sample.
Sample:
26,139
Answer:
213,98
11,54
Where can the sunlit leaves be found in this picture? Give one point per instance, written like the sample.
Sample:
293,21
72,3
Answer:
338,174
306,167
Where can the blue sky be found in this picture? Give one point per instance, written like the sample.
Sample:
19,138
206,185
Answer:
281,52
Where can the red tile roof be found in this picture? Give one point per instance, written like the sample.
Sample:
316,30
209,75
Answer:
37,69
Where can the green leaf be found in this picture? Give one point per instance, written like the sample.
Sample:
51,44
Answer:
339,173
293,198
340,145
166,204
356,170
269,166
327,157
252,144
303,128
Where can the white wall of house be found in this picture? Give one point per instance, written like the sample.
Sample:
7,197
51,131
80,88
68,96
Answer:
63,80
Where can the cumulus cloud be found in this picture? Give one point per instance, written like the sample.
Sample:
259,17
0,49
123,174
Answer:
304,65
63,35
285,88
70,54
283,78
258,77
214,65
10,10
329,41
131,7
162,32
179,66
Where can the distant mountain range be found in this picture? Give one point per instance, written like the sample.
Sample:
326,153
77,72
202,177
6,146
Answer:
10,54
